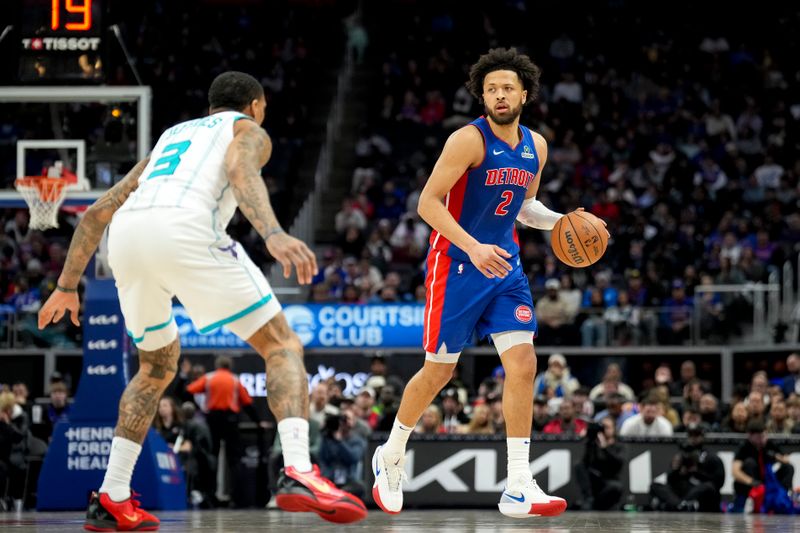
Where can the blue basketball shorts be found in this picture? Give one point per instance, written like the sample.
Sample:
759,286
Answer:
460,300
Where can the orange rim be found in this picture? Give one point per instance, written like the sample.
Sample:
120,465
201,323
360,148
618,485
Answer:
49,189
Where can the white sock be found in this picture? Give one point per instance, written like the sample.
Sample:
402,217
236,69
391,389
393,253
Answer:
519,466
395,447
117,482
294,442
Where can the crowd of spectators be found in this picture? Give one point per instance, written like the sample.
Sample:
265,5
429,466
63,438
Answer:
698,183
291,52
663,406
26,429
202,409
681,142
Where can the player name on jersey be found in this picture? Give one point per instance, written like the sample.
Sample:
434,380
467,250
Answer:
509,176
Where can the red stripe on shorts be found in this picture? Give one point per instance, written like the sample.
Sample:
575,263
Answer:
436,283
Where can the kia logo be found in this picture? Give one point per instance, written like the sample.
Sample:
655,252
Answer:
102,345
103,320
101,370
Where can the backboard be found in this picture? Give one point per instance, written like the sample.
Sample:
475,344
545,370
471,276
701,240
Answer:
97,133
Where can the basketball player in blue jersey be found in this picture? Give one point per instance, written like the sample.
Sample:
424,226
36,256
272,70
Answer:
486,178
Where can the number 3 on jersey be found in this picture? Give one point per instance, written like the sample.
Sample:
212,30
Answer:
501,210
169,160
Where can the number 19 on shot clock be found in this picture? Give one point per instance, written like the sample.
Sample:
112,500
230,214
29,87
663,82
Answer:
61,40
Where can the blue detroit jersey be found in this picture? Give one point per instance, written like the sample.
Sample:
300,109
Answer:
486,200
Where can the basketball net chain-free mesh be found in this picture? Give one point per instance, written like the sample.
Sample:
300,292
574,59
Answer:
44,196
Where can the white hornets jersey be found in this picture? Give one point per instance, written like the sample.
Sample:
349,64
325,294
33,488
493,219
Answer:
187,170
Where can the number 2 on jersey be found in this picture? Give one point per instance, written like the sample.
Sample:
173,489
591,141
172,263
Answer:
501,210
169,160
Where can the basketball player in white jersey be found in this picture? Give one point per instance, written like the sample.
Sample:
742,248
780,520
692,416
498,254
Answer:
167,238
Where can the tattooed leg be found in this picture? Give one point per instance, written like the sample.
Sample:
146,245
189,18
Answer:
287,384
139,402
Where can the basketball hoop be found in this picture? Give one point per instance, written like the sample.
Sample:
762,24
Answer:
44,196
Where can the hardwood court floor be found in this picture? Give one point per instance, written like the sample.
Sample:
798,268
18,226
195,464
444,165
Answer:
438,521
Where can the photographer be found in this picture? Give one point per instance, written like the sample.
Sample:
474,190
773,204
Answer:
342,451
598,474
695,480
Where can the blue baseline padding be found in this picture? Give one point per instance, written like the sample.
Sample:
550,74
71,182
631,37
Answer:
77,457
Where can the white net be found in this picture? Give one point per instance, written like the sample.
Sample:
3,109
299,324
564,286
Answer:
44,197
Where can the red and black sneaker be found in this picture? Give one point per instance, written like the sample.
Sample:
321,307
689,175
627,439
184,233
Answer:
104,514
300,492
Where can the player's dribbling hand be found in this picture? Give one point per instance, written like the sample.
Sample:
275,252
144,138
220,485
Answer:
57,305
582,210
289,251
489,260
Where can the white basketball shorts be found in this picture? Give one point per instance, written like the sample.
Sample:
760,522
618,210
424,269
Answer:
158,253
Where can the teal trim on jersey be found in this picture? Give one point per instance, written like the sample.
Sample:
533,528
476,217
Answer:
255,283
216,210
237,316
243,116
201,163
157,327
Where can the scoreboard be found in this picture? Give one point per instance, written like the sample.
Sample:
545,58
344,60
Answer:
61,40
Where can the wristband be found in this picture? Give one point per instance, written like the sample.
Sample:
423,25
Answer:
64,289
272,232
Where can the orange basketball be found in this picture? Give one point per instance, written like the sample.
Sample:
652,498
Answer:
579,239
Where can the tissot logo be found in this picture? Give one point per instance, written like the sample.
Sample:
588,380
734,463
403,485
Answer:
103,320
102,345
67,44
101,370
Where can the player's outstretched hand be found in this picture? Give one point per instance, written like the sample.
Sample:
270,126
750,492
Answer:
582,210
489,259
57,305
289,251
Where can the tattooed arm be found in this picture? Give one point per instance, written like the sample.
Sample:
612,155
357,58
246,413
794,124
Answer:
90,230
249,151
83,246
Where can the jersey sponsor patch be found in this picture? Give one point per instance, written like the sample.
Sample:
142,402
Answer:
523,314
527,154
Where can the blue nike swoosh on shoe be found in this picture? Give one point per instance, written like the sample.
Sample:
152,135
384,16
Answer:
377,472
521,499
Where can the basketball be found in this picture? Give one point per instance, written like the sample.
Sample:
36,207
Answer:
579,239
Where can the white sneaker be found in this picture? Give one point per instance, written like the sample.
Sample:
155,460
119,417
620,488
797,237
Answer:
389,476
529,500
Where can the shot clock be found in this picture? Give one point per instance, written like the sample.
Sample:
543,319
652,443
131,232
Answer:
61,40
